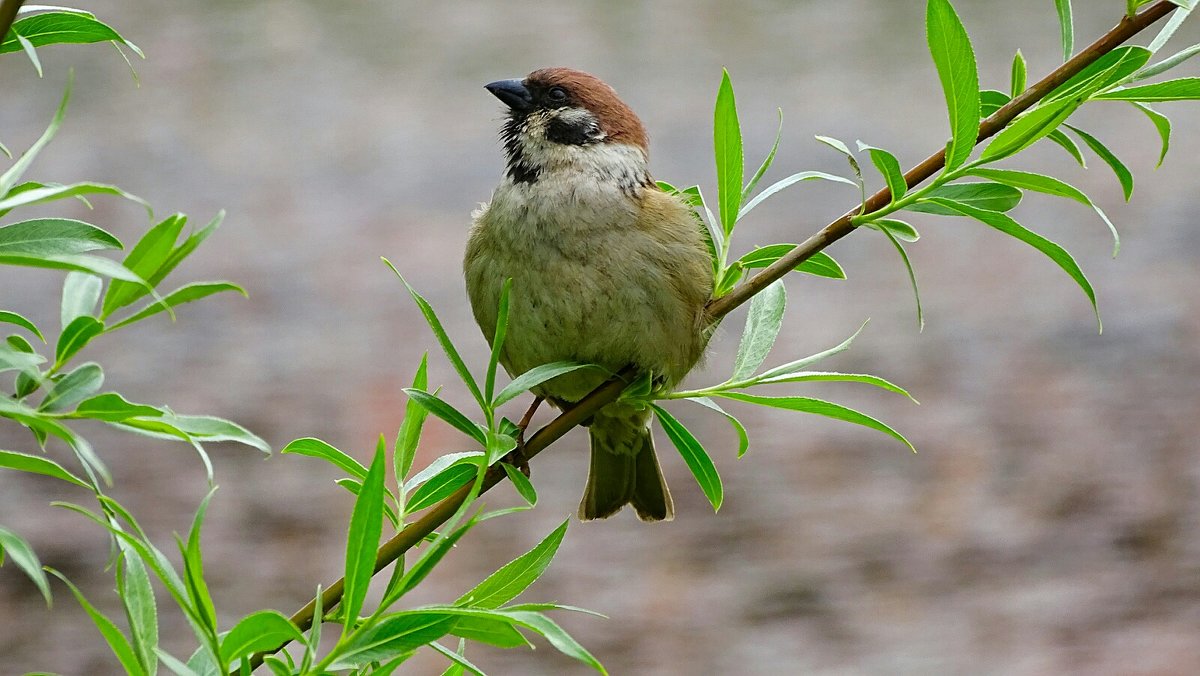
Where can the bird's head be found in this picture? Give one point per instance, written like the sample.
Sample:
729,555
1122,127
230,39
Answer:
565,118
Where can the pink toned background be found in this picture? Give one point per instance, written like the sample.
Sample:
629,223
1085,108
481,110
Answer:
1049,525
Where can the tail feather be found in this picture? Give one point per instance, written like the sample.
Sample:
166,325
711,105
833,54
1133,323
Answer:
624,471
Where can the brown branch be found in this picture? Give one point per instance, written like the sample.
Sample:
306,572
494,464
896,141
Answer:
8,14
609,391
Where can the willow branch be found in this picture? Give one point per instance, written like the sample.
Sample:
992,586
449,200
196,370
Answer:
610,390
8,14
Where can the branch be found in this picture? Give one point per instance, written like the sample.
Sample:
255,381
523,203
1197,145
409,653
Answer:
8,13
610,390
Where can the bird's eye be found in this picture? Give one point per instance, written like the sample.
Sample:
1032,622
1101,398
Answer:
557,94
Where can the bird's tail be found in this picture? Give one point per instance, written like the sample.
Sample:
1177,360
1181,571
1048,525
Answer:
624,469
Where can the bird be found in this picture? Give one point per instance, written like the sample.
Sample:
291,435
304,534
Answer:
607,268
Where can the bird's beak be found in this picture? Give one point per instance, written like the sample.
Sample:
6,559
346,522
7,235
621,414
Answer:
513,93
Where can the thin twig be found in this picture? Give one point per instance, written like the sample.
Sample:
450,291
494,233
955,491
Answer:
610,390
8,14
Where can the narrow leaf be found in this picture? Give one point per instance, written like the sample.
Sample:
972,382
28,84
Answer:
7,317
366,525
112,635
738,427
187,293
820,263
54,236
448,413
1017,81
73,388
789,181
1124,176
990,196
315,448
1053,251
514,577
1161,123
955,61
409,435
694,455
762,327
261,630
37,465
819,407
889,168
10,177
1183,89
727,148
766,163
1066,27
80,293
1028,129
23,556
521,483
534,377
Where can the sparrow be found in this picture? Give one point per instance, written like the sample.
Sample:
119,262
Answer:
607,269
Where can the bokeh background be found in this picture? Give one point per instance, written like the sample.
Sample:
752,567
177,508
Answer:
1050,523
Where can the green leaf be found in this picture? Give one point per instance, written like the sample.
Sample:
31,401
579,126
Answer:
791,180
21,554
44,237
441,464
51,192
1183,89
67,26
1052,250
990,196
448,413
833,376
112,635
1049,186
315,448
460,663
395,635
145,259
30,52
262,630
44,426
433,555
1162,124
492,632
536,621
890,233
1172,25
1112,68
366,526
443,484
898,229
82,263
10,177
137,597
743,437
498,445
1067,27
1168,63
1018,82
409,434
185,294
37,465
1065,142
515,577
193,578
75,336
1028,129
73,388
694,455
955,60
534,377
991,100
762,327
355,487
818,407
521,483
766,163
179,253
803,363
443,339
112,407
498,339
7,317
18,360
1124,176
889,168
820,263
727,148
80,293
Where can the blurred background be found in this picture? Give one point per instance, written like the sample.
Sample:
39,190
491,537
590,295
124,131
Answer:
1050,523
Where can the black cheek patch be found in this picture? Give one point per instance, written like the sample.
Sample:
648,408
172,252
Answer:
578,133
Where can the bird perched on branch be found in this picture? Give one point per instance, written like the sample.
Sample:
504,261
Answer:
607,269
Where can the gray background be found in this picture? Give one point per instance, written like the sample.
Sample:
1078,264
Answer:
1050,523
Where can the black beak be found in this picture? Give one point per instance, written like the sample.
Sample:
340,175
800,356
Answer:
513,93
